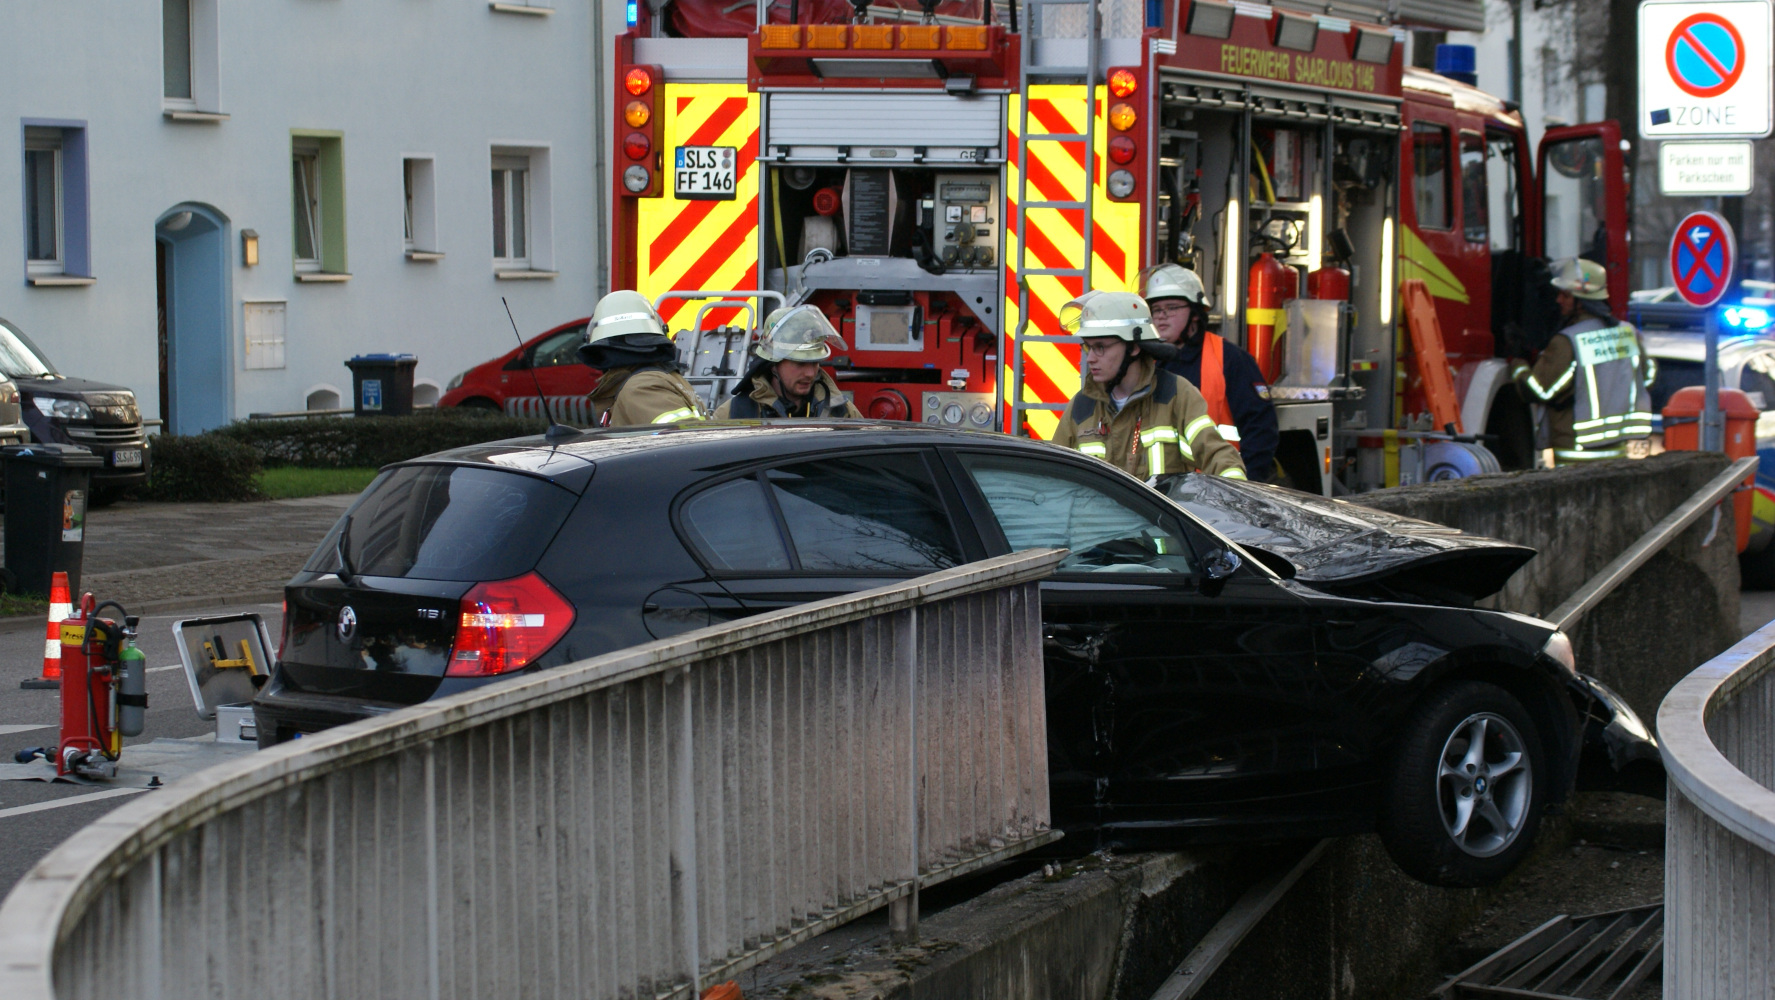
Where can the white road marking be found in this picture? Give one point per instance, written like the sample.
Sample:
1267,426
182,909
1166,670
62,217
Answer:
9,730
73,801
176,666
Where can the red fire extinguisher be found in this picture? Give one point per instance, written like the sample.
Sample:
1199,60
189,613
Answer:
92,667
1270,285
1330,282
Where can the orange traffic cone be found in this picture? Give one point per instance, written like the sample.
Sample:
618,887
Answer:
729,990
61,605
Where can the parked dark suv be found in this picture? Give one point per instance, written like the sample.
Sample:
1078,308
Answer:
1331,674
61,409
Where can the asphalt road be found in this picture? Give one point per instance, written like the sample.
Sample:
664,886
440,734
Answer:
30,718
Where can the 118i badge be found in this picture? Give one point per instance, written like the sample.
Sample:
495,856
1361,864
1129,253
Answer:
704,172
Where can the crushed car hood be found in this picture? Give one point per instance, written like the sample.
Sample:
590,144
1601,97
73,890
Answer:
1346,548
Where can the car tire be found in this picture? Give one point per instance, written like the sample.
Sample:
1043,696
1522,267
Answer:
1452,817
480,405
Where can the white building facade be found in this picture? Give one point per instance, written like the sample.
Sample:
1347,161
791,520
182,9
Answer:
220,201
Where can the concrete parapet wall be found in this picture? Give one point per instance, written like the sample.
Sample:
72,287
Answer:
1676,612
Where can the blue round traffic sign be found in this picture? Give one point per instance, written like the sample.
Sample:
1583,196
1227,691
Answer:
1703,254
1705,55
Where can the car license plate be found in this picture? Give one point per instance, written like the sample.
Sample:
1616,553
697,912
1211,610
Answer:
126,458
704,172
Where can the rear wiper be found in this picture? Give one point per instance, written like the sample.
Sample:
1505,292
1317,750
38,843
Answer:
346,574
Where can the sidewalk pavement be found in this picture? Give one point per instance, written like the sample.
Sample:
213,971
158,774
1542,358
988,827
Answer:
169,556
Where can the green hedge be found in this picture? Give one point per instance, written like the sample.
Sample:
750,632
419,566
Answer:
355,442
204,467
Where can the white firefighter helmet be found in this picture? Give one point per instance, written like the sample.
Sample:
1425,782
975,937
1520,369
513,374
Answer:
1174,281
1584,279
1098,313
800,333
624,313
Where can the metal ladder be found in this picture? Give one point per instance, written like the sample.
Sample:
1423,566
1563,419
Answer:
1028,73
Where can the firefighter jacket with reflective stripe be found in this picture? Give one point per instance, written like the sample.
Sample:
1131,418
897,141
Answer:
1163,427
1592,379
823,400
634,395
1244,414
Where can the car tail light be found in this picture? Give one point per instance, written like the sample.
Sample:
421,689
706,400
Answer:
827,201
1122,116
1123,82
506,625
637,113
638,82
1121,149
637,146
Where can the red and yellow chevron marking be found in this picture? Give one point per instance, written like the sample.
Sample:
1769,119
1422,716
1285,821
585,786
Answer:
702,244
1057,239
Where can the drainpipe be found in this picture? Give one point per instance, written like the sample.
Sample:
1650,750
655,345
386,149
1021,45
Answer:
601,138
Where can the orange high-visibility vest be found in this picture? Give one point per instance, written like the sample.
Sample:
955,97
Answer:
1214,384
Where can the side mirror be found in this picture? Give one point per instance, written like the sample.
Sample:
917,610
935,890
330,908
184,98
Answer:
1220,568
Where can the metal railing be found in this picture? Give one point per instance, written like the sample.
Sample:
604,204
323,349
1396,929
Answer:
1716,731
640,824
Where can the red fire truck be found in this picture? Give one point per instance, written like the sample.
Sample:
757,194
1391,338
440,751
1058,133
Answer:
941,180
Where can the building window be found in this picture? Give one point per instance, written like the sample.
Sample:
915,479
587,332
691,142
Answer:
175,40
190,90
511,209
522,243
317,204
419,213
306,186
55,222
43,202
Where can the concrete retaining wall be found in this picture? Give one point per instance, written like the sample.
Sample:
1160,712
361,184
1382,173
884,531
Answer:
1678,611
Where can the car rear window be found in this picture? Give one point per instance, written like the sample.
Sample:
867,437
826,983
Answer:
732,525
441,522
871,515
876,515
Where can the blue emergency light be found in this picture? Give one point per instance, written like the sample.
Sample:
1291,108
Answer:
634,12
1747,318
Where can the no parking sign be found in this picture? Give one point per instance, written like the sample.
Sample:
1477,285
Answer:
1703,253
1704,69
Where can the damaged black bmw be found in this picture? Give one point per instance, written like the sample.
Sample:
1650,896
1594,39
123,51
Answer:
1225,661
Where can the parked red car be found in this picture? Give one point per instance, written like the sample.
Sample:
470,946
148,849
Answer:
505,383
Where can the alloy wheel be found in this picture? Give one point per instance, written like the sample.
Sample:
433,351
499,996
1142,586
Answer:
1484,784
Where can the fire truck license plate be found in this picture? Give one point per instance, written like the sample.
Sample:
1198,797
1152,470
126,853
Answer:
705,172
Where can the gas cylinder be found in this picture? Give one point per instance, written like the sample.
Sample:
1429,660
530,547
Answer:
132,683
1270,284
1331,282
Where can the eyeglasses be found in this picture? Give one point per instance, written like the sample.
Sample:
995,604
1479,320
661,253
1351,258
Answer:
1169,309
1098,348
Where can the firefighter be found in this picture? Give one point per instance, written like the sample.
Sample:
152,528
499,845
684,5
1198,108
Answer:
786,380
1132,413
1238,397
641,383
1591,377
